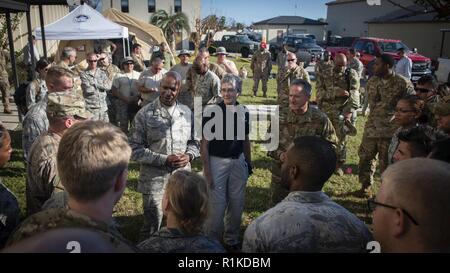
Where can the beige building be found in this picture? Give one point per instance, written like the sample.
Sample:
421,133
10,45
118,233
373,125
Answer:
274,29
349,17
419,31
143,10
51,13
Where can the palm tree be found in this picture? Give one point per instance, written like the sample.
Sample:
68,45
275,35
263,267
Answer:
170,24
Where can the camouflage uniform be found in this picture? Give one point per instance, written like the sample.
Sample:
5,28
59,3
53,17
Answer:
9,213
174,241
139,64
313,123
64,218
217,69
356,65
42,172
323,70
335,107
4,81
154,136
36,91
126,85
261,66
94,85
284,82
34,123
184,97
383,95
76,70
281,62
111,70
306,222
206,86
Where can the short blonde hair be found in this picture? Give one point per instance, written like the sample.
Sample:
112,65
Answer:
91,155
55,73
187,193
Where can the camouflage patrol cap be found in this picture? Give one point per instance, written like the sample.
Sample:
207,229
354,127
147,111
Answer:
63,104
442,108
127,60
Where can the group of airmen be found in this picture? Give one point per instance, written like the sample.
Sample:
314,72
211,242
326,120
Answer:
156,102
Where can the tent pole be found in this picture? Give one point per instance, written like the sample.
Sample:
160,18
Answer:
123,46
128,47
41,19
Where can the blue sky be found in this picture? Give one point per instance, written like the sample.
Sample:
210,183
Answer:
249,11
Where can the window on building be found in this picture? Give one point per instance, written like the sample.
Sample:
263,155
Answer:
151,5
124,5
177,5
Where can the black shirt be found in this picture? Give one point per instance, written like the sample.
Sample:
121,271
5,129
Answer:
220,145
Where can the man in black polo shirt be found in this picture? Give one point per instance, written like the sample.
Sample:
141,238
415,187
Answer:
225,152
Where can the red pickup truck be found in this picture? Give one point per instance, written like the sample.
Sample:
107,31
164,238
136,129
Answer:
370,47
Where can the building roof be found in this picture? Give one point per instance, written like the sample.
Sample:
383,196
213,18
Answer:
412,14
289,20
338,2
12,6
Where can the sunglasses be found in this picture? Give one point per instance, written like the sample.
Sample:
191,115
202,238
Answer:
101,59
92,61
292,60
372,204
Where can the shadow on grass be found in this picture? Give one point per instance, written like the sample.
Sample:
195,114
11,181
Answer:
130,226
257,199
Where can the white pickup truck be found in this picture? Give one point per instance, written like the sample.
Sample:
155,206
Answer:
443,72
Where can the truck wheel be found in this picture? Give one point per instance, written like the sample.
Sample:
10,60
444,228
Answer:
245,52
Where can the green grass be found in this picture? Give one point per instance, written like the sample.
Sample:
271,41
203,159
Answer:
129,210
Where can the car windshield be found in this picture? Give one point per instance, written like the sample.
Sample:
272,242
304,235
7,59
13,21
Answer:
392,46
304,41
244,39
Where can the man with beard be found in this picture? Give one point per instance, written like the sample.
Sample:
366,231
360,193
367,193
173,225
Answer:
307,220
162,142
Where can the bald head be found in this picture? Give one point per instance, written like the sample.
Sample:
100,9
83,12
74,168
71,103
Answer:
340,60
420,186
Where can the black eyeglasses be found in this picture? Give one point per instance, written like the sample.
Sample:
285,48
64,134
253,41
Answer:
292,60
372,204
422,90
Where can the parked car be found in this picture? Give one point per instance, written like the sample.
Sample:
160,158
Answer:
305,48
370,47
236,44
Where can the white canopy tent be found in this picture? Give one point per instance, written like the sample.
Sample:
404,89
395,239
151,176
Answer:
84,23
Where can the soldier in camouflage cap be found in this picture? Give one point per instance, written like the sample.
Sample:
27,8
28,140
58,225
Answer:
92,163
442,113
307,220
302,119
261,66
63,111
